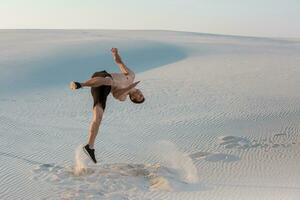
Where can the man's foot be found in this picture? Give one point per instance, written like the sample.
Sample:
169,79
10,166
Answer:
75,85
90,152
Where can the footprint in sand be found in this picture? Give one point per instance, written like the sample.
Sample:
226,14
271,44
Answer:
235,142
214,157
230,142
7,100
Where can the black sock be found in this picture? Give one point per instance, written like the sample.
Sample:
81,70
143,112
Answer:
78,85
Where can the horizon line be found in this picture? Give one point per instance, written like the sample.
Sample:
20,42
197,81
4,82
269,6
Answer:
163,30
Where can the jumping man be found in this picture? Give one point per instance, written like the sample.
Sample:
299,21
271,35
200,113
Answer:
102,83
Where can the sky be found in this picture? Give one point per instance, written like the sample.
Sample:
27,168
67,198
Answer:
265,18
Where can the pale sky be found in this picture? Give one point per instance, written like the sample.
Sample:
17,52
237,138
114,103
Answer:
270,18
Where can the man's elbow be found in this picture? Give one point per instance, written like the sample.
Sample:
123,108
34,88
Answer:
132,74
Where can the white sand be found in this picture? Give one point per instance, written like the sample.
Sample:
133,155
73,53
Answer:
220,121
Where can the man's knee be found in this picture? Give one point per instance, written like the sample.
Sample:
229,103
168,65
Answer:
97,118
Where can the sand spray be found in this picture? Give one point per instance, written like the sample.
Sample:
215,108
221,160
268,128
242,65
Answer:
81,161
172,157
166,152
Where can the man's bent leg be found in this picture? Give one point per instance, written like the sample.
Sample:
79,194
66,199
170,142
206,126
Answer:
93,82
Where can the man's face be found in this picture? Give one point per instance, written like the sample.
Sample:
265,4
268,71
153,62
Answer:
136,96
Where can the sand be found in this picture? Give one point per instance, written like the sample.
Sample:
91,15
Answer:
220,120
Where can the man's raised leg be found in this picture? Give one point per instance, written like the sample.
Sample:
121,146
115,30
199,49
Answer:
93,82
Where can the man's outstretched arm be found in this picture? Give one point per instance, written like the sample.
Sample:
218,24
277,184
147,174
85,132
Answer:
124,69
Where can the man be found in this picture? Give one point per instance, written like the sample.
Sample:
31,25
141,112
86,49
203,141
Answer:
102,83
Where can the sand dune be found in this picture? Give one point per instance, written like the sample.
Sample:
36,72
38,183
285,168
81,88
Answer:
220,120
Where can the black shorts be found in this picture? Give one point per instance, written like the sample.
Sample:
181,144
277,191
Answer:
100,93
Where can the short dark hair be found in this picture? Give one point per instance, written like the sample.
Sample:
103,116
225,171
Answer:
135,101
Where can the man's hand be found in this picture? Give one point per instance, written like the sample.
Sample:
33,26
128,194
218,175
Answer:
114,51
116,56
134,84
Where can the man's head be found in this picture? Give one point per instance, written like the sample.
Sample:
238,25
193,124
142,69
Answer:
136,96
